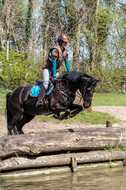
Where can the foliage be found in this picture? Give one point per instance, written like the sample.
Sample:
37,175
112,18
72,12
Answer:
120,147
108,147
96,30
17,71
105,62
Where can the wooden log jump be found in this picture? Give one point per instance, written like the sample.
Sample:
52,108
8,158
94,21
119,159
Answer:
61,141
70,159
61,147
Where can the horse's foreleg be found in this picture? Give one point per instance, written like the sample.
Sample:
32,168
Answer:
59,109
65,115
26,118
76,108
56,115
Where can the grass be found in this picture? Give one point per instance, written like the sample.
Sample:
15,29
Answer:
92,117
3,93
109,99
95,117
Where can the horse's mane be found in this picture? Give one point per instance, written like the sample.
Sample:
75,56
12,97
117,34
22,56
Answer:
74,76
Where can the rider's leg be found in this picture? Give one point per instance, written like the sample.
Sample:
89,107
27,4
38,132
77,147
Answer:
46,75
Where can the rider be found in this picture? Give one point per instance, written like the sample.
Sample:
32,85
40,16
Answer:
56,56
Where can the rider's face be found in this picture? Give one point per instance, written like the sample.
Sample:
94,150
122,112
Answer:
64,44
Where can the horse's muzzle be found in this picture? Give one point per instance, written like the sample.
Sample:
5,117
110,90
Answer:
86,105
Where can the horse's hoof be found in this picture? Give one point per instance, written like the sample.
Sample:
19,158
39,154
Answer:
71,115
20,132
56,116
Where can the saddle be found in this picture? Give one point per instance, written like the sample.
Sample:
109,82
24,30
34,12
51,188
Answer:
35,90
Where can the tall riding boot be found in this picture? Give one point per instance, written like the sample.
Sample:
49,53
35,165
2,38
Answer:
41,95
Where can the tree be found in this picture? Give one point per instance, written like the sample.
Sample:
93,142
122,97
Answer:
11,25
96,30
28,26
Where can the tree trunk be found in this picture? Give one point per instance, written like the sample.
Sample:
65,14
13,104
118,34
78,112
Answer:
16,163
7,23
76,51
2,41
45,42
28,26
76,48
8,44
61,141
96,35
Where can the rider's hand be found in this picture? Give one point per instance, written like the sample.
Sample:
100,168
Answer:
55,77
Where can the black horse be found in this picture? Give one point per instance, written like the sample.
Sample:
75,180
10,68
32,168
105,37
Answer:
20,105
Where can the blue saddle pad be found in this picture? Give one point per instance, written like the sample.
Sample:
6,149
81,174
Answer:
36,89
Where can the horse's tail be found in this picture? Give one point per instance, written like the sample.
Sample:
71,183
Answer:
9,116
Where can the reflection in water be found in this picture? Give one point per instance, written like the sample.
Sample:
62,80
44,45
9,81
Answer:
101,179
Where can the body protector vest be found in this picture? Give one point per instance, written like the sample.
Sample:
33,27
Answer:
57,54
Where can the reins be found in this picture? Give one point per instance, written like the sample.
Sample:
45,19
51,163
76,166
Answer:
63,90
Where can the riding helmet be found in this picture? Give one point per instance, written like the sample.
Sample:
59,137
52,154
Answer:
63,38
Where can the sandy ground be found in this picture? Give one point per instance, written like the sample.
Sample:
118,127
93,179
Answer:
37,125
117,111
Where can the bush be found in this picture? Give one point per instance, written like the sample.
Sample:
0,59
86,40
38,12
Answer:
18,70
110,79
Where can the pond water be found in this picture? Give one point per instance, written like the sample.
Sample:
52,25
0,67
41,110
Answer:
100,179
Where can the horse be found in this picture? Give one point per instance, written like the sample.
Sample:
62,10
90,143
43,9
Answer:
20,106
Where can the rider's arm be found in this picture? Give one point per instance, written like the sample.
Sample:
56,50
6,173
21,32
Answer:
67,65
54,67
54,55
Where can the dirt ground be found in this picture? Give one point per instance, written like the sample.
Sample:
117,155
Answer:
37,125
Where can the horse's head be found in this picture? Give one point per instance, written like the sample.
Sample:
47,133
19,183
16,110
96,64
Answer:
85,83
87,87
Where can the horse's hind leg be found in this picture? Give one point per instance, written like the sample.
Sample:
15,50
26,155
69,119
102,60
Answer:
26,118
15,119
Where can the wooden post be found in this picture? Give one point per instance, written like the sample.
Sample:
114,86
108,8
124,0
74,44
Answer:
124,162
109,123
73,164
123,87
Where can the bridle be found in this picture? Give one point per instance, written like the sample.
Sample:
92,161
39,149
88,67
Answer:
64,91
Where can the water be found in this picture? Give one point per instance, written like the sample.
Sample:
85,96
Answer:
100,179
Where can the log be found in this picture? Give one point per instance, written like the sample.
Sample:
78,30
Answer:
16,163
61,141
